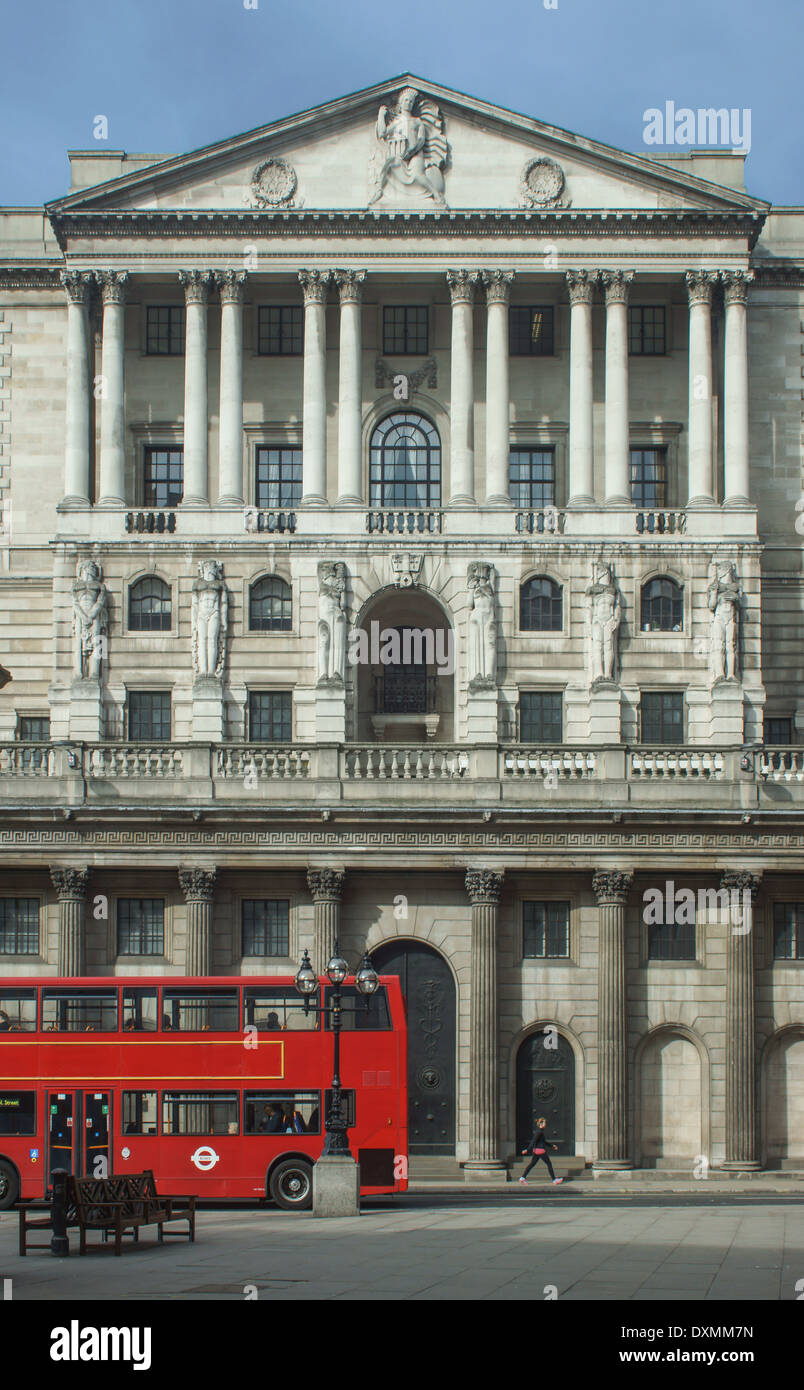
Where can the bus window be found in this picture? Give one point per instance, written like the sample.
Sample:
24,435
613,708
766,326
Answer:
369,1013
17,1010
140,1010
200,1011
199,1112
276,1009
282,1112
17,1112
140,1112
79,1011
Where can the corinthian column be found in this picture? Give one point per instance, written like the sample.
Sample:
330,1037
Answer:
741,1042
617,284
701,481
315,284
196,412
71,886
350,388
326,888
581,286
230,456
498,430
462,396
611,890
198,887
78,284
484,888
113,454
735,388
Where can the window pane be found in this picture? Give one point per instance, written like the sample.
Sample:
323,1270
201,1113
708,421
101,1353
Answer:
19,926
17,1011
279,477
530,330
405,328
163,477
79,1011
269,716
149,716
165,328
646,329
662,718
140,1112
265,926
649,478
355,1015
277,1009
545,929
200,1011
405,463
662,606
140,927
540,716
541,606
779,731
280,329
269,606
671,941
282,1112
149,606
788,931
199,1112
140,1010
17,1112
532,477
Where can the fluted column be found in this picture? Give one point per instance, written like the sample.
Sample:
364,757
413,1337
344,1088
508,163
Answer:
498,429
71,886
484,887
462,392
198,887
741,1039
735,388
196,407
78,284
611,890
350,388
315,284
113,453
231,284
581,287
617,284
701,473
326,888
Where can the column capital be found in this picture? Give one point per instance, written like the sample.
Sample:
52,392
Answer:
611,886
198,885
616,285
350,285
700,284
581,285
735,285
484,886
741,881
326,885
71,884
315,284
231,284
113,285
498,285
196,285
78,284
462,285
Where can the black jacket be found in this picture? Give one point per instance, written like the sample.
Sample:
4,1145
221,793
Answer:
540,1141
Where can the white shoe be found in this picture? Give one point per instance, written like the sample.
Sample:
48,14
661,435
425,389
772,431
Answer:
524,1180
556,1181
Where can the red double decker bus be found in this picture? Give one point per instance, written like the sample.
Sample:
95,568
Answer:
219,1085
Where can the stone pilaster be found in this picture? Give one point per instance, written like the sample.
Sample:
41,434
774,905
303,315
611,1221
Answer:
198,887
581,287
196,403
484,887
71,886
741,1045
78,284
700,284
326,889
498,405
113,451
315,285
231,284
350,389
735,388
611,890
462,395
617,284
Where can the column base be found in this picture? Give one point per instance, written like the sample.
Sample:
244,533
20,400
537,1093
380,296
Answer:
349,500
497,499
701,503
462,499
110,502
739,504
612,1167
736,1165
336,1187
194,503
73,503
313,500
619,501
485,1170
233,502
584,501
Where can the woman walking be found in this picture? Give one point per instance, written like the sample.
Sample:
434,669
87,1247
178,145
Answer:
538,1148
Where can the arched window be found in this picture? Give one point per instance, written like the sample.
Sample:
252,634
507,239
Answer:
662,606
405,463
541,607
269,605
149,608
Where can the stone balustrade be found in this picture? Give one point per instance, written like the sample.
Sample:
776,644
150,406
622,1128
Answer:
781,764
547,764
404,523
404,763
259,763
661,523
701,763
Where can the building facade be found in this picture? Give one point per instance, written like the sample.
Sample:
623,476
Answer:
401,545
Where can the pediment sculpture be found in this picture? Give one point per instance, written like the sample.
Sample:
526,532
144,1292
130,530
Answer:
414,151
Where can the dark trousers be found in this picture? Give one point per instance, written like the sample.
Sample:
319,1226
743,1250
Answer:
537,1158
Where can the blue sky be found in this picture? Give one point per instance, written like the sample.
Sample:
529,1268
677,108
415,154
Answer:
172,75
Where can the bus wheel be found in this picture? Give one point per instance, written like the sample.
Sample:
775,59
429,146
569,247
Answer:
9,1186
292,1185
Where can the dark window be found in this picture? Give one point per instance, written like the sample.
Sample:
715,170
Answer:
545,929
530,330
163,477
405,463
33,728
140,927
266,924
646,335
662,606
165,329
279,477
671,940
149,716
269,716
404,328
200,1010
779,731
788,931
280,330
140,1112
649,478
282,1112
532,477
277,1009
541,606
358,1012
404,686
19,926
17,1112
140,1010
149,608
662,717
17,1010
79,1010
269,605
540,716
199,1112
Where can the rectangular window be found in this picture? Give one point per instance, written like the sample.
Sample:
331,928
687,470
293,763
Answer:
19,926
279,477
541,716
788,931
17,1010
649,478
277,1009
545,930
140,1112
17,1113
266,926
140,1010
530,330
282,1112
200,1011
280,330
662,717
779,731
405,328
149,716
370,1015
671,941
162,477
79,1011
33,728
270,716
165,330
532,477
141,927
199,1112
646,330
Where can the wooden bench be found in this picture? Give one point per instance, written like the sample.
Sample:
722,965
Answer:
116,1206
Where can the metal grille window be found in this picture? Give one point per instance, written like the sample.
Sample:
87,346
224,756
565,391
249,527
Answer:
140,927
266,926
788,931
671,941
662,606
545,930
405,463
540,716
19,926
165,330
532,477
779,731
530,330
646,330
279,477
269,605
541,607
280,330
405,328
649,478
149,608
269,716
662,717
149,716
163,477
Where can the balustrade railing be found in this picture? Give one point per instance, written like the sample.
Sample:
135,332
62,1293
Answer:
158,760
547,521
661,523
151,521
404,522
559,764
431,762
254,519
255,763
27,760
707,764
781,764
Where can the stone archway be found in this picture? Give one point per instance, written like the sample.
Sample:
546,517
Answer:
545,1087
671,1129
784,1098
403,649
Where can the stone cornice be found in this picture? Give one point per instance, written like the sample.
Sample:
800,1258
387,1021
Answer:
31,277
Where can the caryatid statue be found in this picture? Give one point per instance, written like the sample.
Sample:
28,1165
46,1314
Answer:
210,617
332,621
604,614
415,147
481,627
90,620
723,598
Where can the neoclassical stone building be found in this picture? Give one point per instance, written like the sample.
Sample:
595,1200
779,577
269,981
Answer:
400,543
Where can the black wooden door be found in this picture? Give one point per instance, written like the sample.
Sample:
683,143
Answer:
430,994
545,1088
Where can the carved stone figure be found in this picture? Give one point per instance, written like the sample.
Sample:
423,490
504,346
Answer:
210,618
90,620
723,598
414,148
604,614
332,622
482,629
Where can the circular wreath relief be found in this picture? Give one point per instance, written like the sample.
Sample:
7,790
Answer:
542,183
273,182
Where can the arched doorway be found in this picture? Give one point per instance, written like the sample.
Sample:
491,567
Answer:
429,990
670,1096
545,1086
403,669
784,1099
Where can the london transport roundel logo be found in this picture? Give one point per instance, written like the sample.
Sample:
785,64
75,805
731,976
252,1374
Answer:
204,1158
